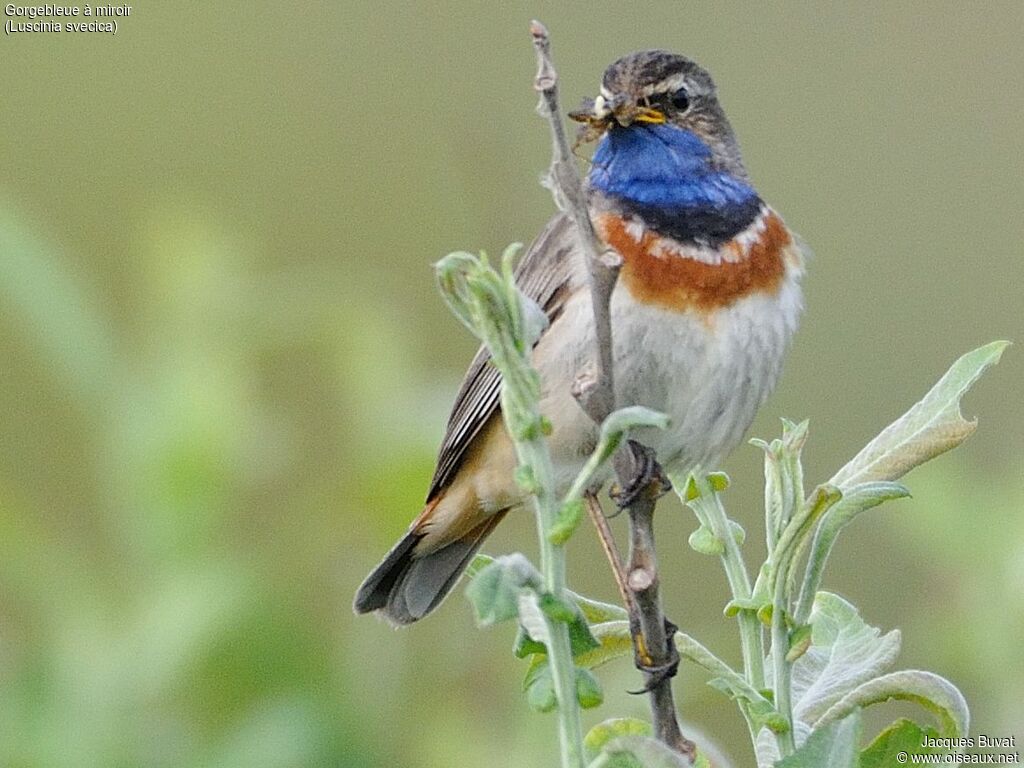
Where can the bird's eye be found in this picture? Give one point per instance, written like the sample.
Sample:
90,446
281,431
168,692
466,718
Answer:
680,100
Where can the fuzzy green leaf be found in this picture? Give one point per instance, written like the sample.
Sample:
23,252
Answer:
835,746
902,736
531,617
638,752
799,642
844,653
934,693
738,534
613,641
540,691
704,541
633,417
495,589
526,646
595,611
931,427
857,499
606,731
588,689
569,517
726,679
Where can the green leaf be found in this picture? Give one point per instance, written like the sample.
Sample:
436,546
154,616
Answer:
719,481
610,640
835,746
569,517
531,617
931,427
705,542
477,564
526,479
729,681
532,321
934,693
766,745
802,522
903,736
738,604
857,499
540,690
580,636
588,689
799,642
738,534
596,611
606,731
844,653
783,475
495,588
633,417
638,752
616,641
526,646
613,641
557,609
614,428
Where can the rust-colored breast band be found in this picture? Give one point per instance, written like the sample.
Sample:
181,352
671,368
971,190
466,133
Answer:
656,275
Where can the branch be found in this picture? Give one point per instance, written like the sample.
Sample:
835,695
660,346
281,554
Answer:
640,478
595,391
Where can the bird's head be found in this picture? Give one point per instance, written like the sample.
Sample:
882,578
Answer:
658,88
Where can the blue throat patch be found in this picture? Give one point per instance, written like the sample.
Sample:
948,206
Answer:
663,174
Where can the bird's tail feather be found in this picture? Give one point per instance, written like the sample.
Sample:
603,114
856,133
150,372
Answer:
406,586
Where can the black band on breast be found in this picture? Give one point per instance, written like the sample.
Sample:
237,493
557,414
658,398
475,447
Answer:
705,225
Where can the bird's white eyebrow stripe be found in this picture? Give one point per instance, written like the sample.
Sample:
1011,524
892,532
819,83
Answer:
668,85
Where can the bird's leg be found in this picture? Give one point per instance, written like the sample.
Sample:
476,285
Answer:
611,552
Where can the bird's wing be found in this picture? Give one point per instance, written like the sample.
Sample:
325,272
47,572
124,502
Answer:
544,275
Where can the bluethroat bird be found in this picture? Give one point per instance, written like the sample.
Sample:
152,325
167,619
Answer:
707,301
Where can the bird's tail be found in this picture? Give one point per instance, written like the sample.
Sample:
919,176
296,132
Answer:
408,585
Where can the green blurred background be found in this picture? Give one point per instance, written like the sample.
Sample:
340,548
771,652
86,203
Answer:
226,370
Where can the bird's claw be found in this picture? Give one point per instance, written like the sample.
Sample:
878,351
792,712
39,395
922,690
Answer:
657,674
646,477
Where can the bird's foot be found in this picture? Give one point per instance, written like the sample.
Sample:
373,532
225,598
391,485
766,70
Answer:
646,477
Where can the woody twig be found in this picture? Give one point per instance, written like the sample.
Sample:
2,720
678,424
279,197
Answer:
640,478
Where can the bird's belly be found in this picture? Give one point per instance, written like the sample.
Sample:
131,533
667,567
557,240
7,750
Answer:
708,371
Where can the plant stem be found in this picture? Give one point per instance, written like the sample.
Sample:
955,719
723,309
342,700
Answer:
535,453
751,639
595,392
780,665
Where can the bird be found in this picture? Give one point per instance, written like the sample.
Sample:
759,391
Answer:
703,313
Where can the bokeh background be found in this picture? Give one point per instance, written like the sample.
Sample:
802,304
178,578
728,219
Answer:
225,369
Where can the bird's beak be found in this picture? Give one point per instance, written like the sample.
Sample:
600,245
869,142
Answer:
602,112
637,114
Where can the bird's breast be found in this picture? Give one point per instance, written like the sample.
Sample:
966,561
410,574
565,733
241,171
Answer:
700,278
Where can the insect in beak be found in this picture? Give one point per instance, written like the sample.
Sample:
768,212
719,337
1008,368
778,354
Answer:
599,113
